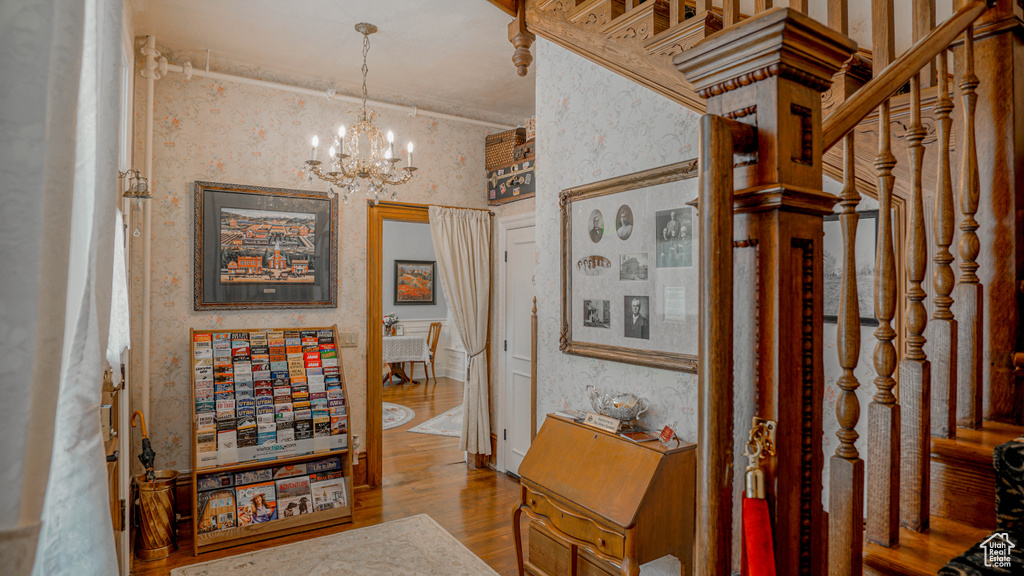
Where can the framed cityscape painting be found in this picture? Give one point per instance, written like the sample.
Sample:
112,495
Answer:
258,247
629,273
414,282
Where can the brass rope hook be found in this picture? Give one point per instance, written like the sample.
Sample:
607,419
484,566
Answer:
760,444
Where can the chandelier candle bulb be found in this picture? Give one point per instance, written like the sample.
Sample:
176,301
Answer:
316,142
391,136
409,147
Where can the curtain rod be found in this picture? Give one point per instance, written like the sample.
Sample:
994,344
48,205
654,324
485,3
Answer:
414,205
414,111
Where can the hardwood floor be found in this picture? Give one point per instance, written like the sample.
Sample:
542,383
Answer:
423,474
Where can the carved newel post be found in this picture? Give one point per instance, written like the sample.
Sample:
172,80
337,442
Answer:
769,72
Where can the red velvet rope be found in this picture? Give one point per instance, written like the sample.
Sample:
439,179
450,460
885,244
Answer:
758,548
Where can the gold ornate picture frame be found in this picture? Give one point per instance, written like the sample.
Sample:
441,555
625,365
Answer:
629,268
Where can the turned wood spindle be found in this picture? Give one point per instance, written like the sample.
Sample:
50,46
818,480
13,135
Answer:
969,290
846,470
730,13
944,324
883,460
915,375
762,5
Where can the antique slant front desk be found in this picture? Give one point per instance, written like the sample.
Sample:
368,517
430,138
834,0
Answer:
600,504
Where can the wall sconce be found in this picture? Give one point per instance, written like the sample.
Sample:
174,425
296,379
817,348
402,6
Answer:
138,190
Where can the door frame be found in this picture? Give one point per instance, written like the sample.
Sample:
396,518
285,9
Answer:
504,226
375,217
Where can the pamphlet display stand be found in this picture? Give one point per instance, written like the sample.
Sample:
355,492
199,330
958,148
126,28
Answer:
270,435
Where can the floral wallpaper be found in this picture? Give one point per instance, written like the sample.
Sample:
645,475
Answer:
592,125
234,133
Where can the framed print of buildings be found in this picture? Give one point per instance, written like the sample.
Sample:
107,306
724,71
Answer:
259,247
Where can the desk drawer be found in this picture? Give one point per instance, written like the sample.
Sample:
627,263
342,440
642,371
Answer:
575,524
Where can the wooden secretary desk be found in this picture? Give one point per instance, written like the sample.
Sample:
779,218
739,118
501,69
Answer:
599,504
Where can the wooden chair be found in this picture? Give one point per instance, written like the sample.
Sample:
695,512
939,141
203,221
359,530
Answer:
432,336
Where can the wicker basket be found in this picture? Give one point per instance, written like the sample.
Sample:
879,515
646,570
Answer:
500,147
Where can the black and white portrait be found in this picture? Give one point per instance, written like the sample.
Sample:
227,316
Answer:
624,222
596,225
633,266
597,313
674,237
637,314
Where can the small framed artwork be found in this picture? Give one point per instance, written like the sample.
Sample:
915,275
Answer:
258,247
415,282
645,311
864,252
399,330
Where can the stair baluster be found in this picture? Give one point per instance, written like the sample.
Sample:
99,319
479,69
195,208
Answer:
969,291
846,468
915,369
883,461
944,324
730,13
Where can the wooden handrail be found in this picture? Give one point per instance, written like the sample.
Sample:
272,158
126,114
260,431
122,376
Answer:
871,95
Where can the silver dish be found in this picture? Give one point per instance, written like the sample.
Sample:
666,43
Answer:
620,405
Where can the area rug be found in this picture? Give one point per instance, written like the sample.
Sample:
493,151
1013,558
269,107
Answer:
395,415
414,546
447,424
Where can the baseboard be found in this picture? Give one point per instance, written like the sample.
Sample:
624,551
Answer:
492,460
183,495
359,473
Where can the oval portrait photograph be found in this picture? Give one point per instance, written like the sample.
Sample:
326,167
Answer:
624,222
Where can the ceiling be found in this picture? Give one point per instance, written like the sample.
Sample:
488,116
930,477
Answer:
438,54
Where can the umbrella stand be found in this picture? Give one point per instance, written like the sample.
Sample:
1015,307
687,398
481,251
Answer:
157,535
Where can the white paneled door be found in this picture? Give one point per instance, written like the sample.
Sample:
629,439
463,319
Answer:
519,292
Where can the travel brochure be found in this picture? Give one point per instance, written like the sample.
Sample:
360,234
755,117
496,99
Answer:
265,395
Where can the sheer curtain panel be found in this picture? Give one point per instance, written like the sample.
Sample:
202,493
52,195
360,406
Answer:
462,244
58,138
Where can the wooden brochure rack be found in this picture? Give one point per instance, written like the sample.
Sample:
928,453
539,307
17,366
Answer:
270,414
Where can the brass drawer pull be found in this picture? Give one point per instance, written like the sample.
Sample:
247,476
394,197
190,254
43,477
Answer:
601,542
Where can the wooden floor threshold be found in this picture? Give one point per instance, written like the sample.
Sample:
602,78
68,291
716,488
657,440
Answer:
922,553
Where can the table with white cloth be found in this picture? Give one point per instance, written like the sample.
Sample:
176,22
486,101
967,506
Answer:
397,350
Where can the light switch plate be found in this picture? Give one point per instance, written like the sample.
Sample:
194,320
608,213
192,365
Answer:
348,339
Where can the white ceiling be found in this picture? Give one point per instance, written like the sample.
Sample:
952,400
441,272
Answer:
426,52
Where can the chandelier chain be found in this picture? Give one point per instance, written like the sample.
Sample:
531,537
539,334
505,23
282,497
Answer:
366,50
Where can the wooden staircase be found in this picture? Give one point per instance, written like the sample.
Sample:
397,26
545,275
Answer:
963,508
891,145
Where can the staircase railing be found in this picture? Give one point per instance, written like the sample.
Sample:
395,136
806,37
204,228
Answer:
896,473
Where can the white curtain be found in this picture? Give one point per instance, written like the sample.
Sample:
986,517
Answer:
58,142
462,244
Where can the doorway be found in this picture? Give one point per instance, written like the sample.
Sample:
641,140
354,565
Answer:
399,243
515,303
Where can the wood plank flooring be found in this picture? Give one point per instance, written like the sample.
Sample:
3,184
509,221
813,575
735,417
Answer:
423,474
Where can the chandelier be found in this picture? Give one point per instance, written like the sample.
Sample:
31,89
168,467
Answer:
362,159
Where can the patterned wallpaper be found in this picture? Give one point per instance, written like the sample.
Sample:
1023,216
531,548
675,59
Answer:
234,133
592,125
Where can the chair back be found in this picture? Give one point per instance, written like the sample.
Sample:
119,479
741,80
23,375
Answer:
432,337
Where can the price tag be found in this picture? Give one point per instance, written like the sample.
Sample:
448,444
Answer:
602,422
